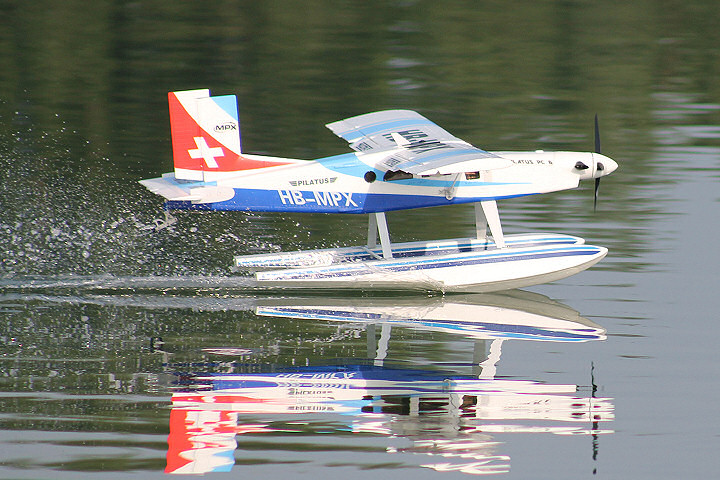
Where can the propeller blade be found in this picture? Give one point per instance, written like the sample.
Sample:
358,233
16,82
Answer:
599,166
597,187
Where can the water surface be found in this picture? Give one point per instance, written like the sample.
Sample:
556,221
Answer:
117,337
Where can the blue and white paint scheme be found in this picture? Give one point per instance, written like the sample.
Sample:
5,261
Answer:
400,160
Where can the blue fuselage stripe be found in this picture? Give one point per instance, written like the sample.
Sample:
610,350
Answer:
257,200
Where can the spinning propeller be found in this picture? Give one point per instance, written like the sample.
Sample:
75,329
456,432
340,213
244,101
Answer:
599,165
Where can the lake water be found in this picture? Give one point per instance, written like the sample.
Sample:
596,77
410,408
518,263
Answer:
113,334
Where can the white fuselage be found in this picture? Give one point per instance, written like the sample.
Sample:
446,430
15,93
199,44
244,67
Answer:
349,183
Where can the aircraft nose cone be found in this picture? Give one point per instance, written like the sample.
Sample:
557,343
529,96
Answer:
604,165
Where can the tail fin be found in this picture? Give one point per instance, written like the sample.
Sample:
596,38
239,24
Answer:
206,136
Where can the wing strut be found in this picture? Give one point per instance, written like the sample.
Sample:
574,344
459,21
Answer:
378,225
486,213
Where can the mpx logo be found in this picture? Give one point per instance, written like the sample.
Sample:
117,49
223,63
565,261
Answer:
225,127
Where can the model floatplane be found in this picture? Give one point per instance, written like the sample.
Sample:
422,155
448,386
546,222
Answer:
400,160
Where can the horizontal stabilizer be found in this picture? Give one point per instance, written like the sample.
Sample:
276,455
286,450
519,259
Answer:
167,186
161,186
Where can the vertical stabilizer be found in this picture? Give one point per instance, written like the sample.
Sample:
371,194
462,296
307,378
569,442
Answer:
206,137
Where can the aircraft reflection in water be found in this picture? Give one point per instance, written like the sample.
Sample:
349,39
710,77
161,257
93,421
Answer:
448,417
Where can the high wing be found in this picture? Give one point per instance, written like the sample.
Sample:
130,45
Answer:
413,144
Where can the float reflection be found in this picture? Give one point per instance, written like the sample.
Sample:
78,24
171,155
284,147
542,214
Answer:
451,419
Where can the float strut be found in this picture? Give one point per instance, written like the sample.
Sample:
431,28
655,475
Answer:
378,225
490,215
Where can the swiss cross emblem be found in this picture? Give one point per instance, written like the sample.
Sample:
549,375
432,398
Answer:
204,151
